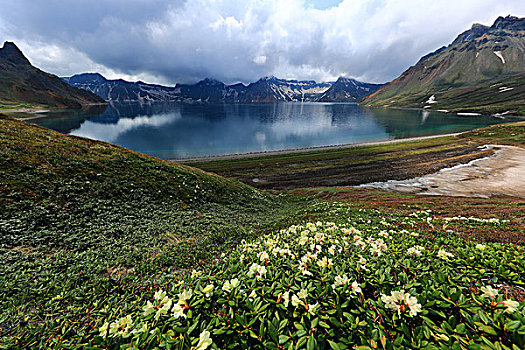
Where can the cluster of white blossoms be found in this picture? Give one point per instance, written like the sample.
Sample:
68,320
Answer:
415,251
344,281
231,284
480,246
443,254
257,270
300,299
489,292
470,218
401,302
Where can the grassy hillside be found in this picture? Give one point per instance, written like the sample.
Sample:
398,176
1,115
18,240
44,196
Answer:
102,247
488,97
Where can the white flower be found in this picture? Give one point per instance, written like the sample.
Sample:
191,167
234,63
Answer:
186,295
160,306
511,305
208,290
413,251
340,281
325,262
195,273
303,293
312,308
204,340
489,292
257,270
355,287
296,301
231,284
178,311
263,256
286,298
480,246
103,330
443,254
331,250
122,327
400,301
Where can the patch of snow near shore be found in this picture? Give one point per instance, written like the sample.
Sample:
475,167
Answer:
503,89
498,53
469,114
442,110
431,100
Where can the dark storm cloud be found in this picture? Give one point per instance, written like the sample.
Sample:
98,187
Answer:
239,40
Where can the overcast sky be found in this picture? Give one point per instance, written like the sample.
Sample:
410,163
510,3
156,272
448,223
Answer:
160,41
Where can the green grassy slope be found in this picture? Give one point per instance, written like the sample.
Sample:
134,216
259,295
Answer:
79,218
90,232
485,98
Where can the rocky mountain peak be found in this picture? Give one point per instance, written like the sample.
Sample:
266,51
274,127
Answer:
509,22
12,53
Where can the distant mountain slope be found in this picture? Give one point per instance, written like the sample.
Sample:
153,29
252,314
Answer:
121,90
483,59
268,89
348,90
20,82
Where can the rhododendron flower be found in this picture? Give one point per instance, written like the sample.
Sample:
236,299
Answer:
103,330
257,270
489,292
511,305
204,340
413,251
312,308
443,254
286,298
160,306
296,301
355,287
231,284
480,246
340,281
208,290
122,327
303,293
401,301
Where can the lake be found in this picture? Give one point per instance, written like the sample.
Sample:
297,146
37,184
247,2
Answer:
177,130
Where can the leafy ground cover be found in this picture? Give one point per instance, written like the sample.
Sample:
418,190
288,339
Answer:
93,235
360,282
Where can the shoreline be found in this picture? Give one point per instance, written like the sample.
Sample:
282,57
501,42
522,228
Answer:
308,149
501,174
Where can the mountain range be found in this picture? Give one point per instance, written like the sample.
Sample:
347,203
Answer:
268,89
482,70
20,82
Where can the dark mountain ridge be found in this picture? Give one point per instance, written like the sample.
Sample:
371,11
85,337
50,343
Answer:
267,89
21,82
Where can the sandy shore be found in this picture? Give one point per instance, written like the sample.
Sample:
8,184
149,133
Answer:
311,149
500,174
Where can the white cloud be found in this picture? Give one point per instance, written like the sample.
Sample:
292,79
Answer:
240,40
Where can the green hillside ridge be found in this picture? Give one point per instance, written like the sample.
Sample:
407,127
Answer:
102,247
466,75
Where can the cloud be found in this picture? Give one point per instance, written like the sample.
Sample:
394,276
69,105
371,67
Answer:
239,40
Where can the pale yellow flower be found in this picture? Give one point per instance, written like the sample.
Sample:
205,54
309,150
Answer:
204,340
489,292
208,290
511,305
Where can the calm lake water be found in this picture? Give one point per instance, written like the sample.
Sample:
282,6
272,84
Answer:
176,130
